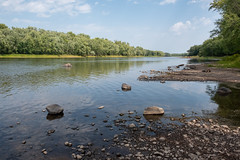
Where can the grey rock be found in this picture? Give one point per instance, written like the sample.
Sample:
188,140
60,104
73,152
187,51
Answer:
54,109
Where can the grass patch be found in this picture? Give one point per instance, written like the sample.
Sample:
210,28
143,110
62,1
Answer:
230,61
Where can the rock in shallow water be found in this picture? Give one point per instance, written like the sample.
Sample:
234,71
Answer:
153,110
54,109
126,87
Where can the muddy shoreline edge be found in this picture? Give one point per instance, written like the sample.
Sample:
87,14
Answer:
198,72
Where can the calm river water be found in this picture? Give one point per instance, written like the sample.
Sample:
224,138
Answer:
27,86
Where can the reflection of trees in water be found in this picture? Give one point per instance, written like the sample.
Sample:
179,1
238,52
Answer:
229,105
197,60
82,70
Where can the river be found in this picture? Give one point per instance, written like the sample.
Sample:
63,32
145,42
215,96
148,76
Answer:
27,86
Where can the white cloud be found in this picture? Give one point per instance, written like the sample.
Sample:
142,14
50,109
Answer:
203,3
200,1
167,2
86,8
46,8
196,23
181,27
205,21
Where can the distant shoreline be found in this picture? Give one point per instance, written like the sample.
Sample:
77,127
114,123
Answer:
56,56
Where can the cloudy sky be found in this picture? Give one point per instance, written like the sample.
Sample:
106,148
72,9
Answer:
167,25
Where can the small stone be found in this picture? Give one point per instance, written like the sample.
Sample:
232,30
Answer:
66,143
103,150
43,110
79,156
130,112
88,153
121,114
162,138
24,142
51,131
18,123
44,152
74,156
183,115
101,107
132,125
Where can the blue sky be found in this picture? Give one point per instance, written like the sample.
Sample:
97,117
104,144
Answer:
167,25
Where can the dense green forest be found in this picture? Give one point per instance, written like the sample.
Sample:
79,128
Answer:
225,38
39,41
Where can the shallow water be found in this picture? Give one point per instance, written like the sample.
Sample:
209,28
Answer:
27,86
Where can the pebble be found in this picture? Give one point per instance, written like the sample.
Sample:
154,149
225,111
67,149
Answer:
68,144
79,156
132,125
101,107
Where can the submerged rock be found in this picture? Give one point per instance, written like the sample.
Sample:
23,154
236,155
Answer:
224,91
153,110
126,87
54,109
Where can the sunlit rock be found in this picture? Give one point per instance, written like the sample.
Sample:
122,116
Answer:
154,110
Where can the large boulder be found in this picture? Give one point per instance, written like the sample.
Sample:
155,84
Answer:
54,109
126,87
154,110
224,91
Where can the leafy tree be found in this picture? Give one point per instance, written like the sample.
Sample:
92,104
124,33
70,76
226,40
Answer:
194,50
31,40
229,25
3,26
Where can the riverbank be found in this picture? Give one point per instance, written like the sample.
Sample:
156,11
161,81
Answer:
200,72
182,137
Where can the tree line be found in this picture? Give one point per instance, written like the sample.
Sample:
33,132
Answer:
225,38
31,40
